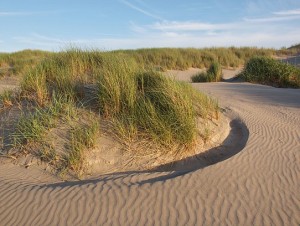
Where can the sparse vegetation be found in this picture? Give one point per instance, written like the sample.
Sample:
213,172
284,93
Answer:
271,72
33,129
32,126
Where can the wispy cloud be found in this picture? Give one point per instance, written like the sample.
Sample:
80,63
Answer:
28,13
137,29
288,12
272,19
15,13
52,43
246,32
141,10
190,26
40,40
48,39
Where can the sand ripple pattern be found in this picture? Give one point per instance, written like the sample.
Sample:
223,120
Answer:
257,186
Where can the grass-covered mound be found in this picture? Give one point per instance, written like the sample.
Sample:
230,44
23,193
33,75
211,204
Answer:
75,94
272,72
213,74
20,62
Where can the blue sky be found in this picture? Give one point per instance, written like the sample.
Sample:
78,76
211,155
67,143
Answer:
129,24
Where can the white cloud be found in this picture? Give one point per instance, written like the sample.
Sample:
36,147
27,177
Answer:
272,19
261,32
259,38
29,13
15,13
137,29
191,26
39,40
48,39
288,12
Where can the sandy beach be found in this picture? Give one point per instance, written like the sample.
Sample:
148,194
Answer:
258,184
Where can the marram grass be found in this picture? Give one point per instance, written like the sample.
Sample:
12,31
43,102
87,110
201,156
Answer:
138,103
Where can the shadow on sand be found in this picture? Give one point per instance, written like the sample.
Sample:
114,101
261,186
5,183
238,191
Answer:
233,144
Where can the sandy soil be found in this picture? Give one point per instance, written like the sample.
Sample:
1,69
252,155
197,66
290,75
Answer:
258,184
8,83
109,157
186,75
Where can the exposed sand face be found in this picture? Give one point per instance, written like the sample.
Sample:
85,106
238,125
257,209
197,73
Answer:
8,83
186,75
110,157
228,74
257,186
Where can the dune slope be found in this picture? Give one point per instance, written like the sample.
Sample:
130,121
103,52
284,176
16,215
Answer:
257,186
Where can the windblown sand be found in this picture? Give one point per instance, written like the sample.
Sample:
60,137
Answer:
259,185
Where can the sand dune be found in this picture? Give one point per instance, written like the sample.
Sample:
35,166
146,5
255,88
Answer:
257,186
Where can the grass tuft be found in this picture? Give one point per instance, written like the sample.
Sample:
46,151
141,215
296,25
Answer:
82,138
213,74
154,107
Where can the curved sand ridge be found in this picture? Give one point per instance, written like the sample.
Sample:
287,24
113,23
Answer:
227,138
257,186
